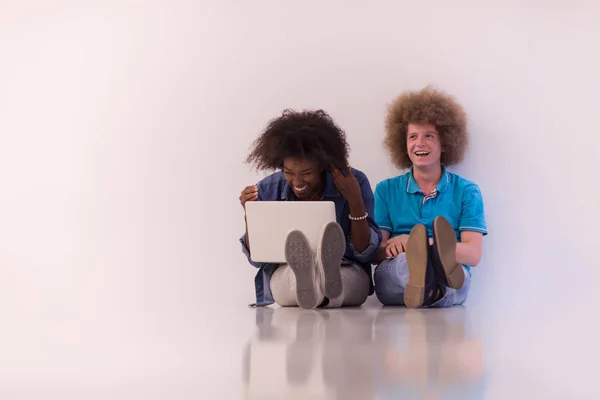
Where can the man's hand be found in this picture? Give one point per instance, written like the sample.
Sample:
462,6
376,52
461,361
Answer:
250,193
348,186
396,245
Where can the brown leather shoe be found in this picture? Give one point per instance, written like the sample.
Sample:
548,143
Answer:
422,286
450,273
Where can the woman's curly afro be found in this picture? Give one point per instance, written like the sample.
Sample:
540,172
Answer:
427,106
302,134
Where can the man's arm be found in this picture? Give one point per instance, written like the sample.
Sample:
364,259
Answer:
468,251
472,227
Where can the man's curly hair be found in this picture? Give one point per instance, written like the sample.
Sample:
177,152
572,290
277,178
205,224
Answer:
427,106
303,134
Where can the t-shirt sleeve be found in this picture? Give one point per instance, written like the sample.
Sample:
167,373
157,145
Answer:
472,217
382,213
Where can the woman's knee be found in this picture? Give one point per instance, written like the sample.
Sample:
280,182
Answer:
356,286
283,286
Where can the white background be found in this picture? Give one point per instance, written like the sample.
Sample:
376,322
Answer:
124,126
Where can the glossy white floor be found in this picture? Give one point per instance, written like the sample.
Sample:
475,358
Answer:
371,352
367,353
391,353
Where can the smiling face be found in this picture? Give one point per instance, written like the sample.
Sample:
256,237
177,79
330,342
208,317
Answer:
304,177
423,145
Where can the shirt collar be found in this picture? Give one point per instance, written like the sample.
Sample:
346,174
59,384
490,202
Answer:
330,189
413,187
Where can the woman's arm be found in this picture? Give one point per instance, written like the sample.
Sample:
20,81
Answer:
250,193
360,232
380,254
347,184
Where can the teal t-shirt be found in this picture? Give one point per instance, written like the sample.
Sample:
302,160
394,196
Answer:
400,205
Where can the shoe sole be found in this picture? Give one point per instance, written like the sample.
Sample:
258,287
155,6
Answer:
330,251
299,258
445,240
417,247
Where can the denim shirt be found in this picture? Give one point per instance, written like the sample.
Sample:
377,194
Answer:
275,188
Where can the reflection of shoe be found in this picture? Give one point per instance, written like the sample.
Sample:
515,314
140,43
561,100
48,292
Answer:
421,287
264,316
450,273
300,258
330,250
305,326
299,362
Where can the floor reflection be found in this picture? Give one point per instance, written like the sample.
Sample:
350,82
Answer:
364,353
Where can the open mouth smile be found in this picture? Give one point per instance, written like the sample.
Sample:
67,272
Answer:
300,189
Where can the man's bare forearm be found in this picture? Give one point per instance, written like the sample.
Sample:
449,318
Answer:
467,254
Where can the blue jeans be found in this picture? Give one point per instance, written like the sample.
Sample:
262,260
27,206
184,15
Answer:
391,277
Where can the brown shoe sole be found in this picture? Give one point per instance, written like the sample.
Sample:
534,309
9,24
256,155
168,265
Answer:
445,240
416,257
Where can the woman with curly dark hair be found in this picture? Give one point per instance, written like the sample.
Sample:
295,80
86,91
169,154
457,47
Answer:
432,220
310,155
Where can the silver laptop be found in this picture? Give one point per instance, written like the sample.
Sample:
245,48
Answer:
270,221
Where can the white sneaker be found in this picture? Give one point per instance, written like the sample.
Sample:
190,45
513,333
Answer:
330,250
301,260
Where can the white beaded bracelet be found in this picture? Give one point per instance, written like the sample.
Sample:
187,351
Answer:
358,218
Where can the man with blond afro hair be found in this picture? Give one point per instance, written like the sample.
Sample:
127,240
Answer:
432,220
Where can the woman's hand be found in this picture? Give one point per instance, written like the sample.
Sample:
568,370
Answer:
250,193
348,186
396,245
